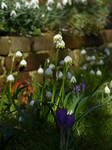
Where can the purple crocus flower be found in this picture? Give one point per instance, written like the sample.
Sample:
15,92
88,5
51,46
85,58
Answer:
83,86
70,121
61,115
78,89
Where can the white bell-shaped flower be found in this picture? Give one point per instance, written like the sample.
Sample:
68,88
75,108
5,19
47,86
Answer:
107,90
10,78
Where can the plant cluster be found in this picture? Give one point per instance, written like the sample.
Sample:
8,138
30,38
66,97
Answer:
20,17
61,102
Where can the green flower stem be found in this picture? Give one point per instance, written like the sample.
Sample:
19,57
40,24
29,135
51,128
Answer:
2,98
54,84
42,88
58,97
63,83
61,141
67,139
35,88
12,63
17,74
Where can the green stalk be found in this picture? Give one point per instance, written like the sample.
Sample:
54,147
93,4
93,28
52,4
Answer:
63,84
35,88
54,84
42,88
2,98
67,139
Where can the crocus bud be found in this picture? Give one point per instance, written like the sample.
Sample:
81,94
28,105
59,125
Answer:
78,89
70,121
61,115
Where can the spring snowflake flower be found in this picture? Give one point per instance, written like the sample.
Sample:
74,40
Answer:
52,66
48,94
36,6
88,58
13,13
83,51
60,44
100,62
84,67
23,63
68,75
73,79
57,38
98,73
68,60
49,2
18,5
49,8
92,63
18,54
59,75
110,84
59,6
10,78
27,4
20,119
61,62
48,72
48,61
107,51
3,5
32,103
43,16
40,71
93,57
92,72
66,1
107,90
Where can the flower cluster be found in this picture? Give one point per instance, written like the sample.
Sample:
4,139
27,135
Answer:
64,120
59,41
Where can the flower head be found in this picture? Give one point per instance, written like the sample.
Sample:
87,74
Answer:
73,79
68,60
93,57
92,72
70,121
23,63
3,5
88,58
100,62
83,51
10,78
32,103
17,5
52,66
40,71
61,115
18,54
98,73
110,84
50,2
48,72
57,38
60,44
59,75
83,86
59,6
13,13
68,75
84,67
78,89
61,62
48,94
20,119
107,90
